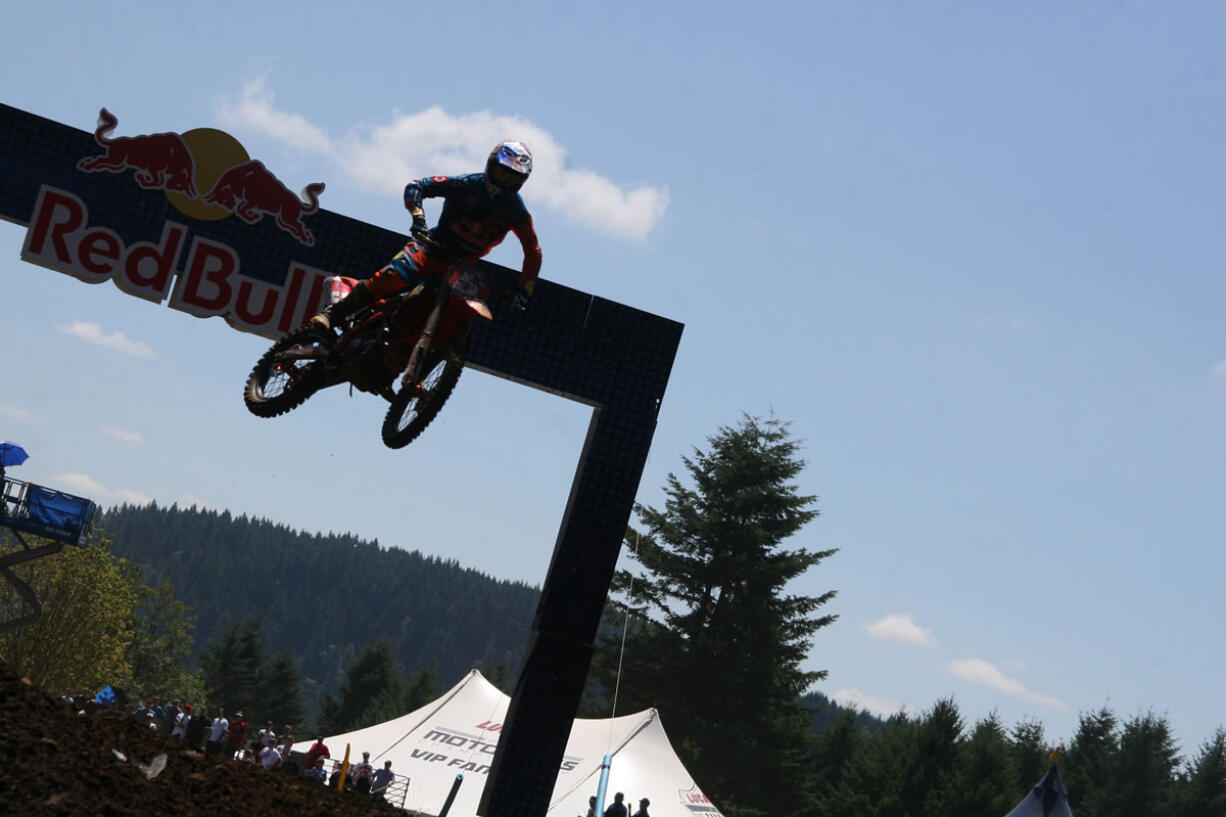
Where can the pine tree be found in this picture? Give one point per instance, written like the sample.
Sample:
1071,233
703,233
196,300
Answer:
1030,757
836,752
1089,769
421,690
719,641
231,667
280,692
373,690
1202,793
984,776
934,758
1145,770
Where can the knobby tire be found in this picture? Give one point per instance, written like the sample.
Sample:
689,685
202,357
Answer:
408,416
296,387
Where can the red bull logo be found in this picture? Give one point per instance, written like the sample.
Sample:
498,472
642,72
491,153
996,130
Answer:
205,158
161,160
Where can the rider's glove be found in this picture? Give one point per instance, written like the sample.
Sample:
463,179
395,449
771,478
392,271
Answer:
419,226
519,301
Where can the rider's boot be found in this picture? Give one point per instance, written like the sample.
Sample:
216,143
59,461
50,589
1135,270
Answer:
357,298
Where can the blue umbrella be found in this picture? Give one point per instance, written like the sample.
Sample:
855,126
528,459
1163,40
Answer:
12,454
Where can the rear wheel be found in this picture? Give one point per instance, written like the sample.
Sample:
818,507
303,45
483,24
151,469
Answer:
288,373
416,404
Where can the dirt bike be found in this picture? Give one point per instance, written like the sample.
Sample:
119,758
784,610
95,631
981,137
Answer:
422,332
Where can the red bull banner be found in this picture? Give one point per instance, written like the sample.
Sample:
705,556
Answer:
201,261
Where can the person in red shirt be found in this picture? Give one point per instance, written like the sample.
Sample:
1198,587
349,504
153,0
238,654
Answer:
318,749
236,735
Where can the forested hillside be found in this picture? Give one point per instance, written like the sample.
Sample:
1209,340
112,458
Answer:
325,597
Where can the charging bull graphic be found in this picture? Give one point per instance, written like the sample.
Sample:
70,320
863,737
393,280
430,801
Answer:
176,163
251,191
162,161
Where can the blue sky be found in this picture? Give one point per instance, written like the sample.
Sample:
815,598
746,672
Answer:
972,252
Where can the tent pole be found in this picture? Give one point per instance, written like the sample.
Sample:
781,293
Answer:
603,788
455,787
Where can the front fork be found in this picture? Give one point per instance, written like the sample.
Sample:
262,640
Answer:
417,360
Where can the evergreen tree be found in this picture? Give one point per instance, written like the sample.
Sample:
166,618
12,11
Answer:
932,769
1202,793
1030,756
373,690
712,594
836,752
984,777
874,784
1145,769
280,692
1089,770
422,690
231,667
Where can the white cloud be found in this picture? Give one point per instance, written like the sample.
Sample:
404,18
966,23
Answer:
254,109
117,341
881,707
901,628
90,488
978,671
114,432
16,413
1015,665
435,141
1220,368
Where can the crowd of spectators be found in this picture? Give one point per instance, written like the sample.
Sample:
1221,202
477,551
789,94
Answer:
212,731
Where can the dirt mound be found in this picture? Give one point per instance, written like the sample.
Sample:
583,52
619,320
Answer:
58,762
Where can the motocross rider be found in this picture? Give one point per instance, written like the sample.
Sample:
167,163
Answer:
479,209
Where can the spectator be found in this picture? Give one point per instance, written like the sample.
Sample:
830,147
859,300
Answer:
158,713
617,808
268,735
150,721
286,738
382,778
287,759
169,717
139,715
270,758
643,804
317,771
197,726
318,750
217,733
236,735
361,774
181,721
591,807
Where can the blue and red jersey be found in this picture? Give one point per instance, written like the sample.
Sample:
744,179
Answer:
473,222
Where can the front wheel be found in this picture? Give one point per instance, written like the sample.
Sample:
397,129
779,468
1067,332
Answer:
288,373
416,404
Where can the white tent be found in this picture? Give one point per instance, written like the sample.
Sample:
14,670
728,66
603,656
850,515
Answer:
1047,799
457,734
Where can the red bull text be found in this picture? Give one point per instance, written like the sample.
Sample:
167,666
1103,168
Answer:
204,278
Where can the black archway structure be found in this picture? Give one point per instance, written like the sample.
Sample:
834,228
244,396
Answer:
121,224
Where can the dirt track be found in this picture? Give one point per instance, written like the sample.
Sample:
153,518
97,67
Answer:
56,762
